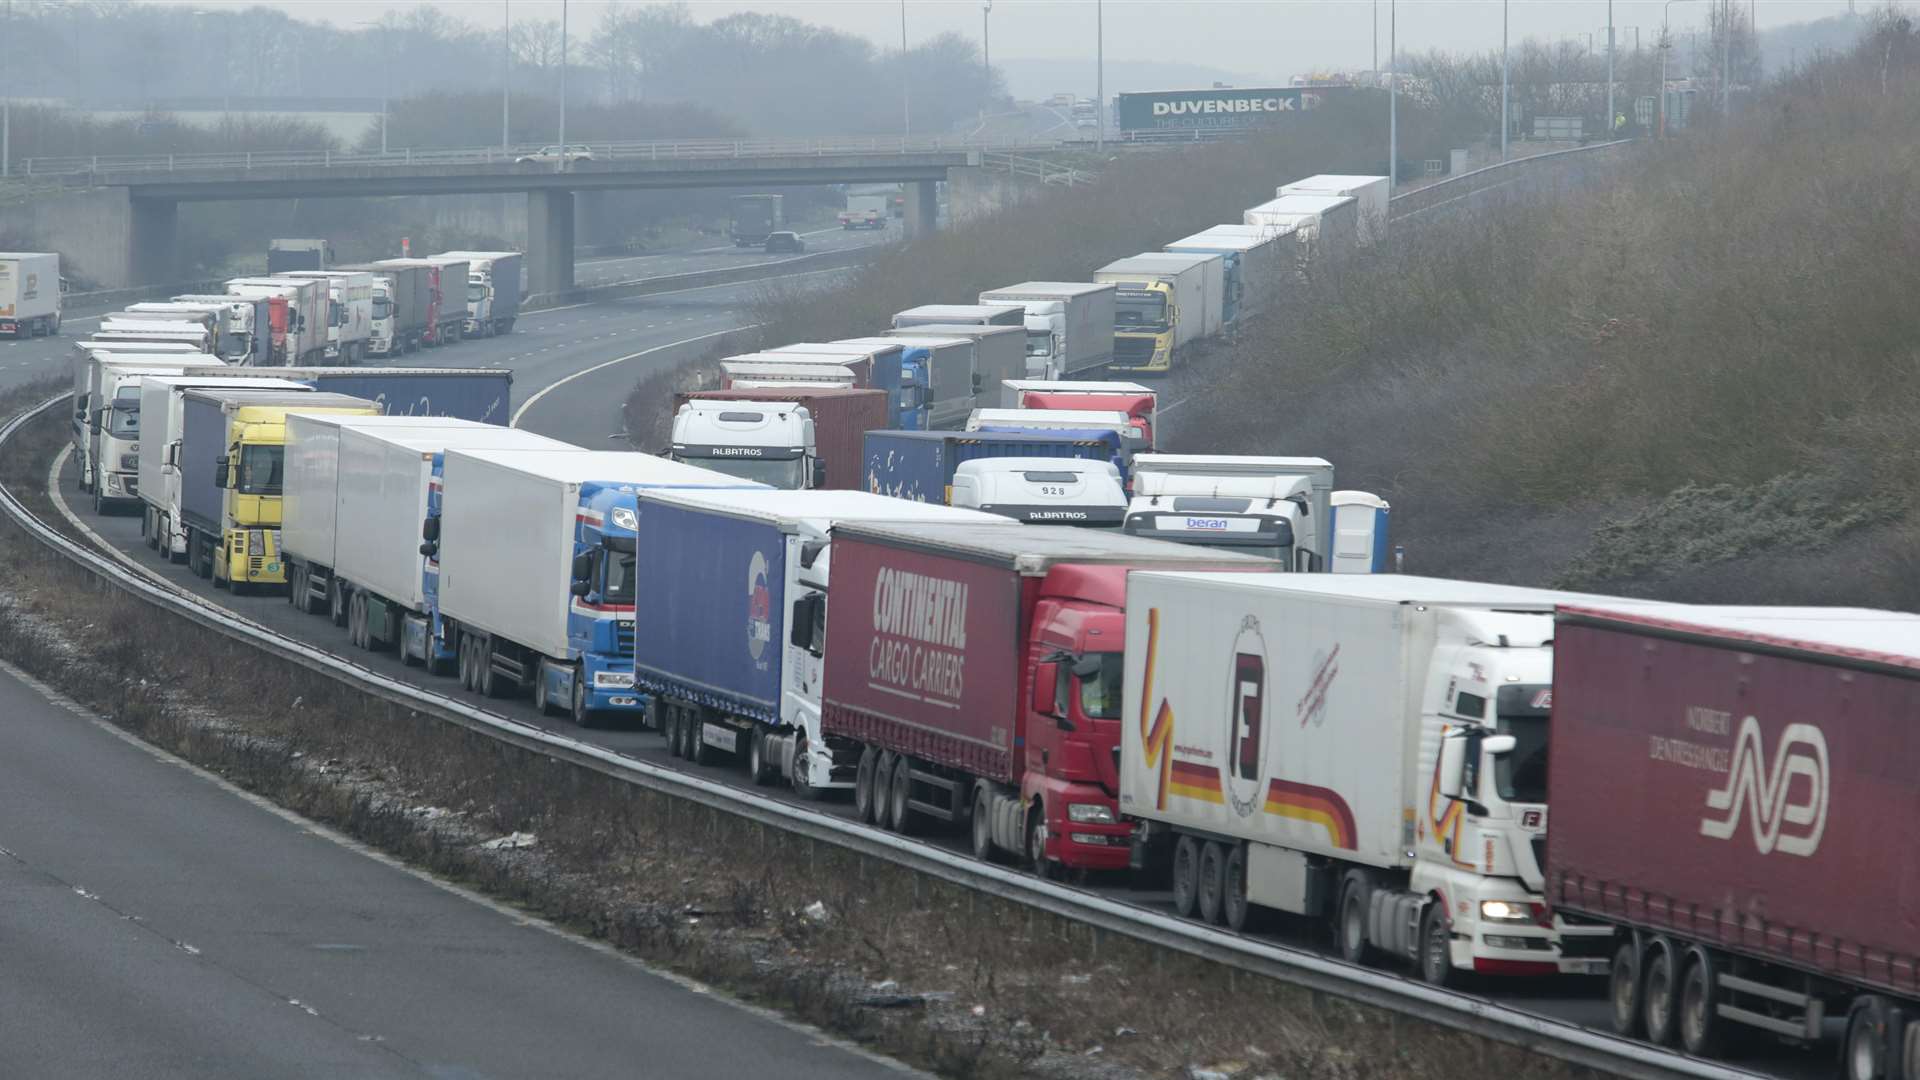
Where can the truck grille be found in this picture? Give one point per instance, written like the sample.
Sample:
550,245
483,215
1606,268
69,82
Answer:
1132,350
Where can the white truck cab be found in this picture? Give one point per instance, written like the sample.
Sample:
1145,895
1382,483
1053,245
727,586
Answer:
1280,507
768,441
1043,491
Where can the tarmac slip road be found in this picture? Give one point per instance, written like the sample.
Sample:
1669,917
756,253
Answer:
155,922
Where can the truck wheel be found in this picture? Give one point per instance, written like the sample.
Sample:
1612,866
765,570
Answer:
1351,930
1909,1048
1436,947
1865,1053
882,790
1626,989
898,793
1236,907
336,602
582,716
802,778
757,769
357,620
467,673
1702,1032
697,750
863,801
1213,881
1186,876
1662,994
485,679
982,824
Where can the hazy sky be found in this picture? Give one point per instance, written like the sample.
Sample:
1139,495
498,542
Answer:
1268,38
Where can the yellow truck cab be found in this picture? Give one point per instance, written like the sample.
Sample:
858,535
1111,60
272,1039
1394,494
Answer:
232,457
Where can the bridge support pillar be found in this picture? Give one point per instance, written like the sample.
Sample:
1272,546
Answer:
549,241
923,209
152,241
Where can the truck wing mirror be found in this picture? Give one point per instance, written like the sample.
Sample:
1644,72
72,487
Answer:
582,588
582,568
430,529
1453,761
1499,744
220,472
430,549
1046,678
800,634
819,474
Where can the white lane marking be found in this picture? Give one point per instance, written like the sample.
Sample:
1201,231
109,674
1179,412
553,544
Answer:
552,386
514,915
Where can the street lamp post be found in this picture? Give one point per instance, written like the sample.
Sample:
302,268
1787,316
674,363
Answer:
506,73
563,86
906,81
1610,127
986,46
1100,75
1504,93
6,107
1393,95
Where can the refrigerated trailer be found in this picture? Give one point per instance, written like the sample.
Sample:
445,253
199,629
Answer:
30,293
1294,743
1734,792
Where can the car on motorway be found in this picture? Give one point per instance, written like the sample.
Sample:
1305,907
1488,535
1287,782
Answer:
577,152
785,241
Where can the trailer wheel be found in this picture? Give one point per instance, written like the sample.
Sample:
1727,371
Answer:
863,801
1865,1053
1351,930
1627,989
1702,1032
1186,876
469,680
1661,997
353,620
899,791
1436,946
1237,908
1213,881
336,602
980,824
882,790
1909,1045
697,749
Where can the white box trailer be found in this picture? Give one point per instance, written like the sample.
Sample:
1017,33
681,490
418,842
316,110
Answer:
1069,325
1329,225
999,353
349,312
305,339
1255,265
29,293
1372,193
1307,778
106,428
162,403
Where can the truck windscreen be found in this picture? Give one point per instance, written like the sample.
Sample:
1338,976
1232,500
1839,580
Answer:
789,474
260,469
1040,343
476,292
123,420
1140,311
382,307
618,588
1100,691
1521,775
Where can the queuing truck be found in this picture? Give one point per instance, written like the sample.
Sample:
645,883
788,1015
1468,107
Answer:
30,288
1163,304
755,217
231,455
794,439
1279,507
289,255
982,314
125,328
1733,796
231,319
402,297
978,668
349,312
874,366
864,212
304,337
1137,401
999,353
162,405
265,323
1044,491
1312,780
738,582
1371,195
536,554
494,288
1069,325
1328,225
439,296
753,374
936,379
109,426
1253,266
1072,420
450,308
354,503
921,465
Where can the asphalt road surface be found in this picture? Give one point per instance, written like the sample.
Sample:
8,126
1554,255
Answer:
158,923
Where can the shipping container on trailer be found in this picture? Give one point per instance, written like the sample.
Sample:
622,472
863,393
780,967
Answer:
1733,794
978,668
875,367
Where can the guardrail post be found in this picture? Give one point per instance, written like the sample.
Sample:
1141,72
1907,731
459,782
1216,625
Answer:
409,155
96,161
249,160
326,158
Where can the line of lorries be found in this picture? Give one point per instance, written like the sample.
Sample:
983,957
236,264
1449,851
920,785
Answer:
1457,776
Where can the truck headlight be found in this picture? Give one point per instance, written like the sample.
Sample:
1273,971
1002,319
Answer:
129,462
256,542
1089,813
1504,911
